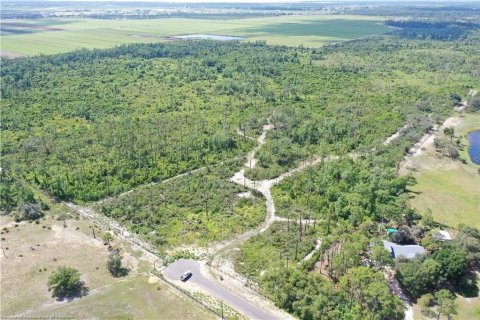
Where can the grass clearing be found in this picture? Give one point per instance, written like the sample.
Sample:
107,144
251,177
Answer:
52,36
467,308
448,188
34,251
452,195
136,298
47,246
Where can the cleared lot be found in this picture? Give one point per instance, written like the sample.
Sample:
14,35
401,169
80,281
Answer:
33,251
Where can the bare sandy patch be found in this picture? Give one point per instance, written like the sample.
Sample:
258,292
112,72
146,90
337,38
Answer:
10,54
153,279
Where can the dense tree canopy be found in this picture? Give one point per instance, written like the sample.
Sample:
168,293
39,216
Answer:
362,294
89,124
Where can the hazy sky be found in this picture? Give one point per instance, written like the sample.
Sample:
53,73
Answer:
272,1
224,1
260,1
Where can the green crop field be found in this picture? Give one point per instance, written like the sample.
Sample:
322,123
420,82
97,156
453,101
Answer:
49,36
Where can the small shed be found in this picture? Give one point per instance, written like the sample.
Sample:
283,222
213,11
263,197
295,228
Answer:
442,235
406,251
391,230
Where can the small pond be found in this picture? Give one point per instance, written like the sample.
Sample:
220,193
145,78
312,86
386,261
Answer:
208,37
474,149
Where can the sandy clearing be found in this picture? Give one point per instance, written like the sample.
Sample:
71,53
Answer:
315,249
425,142
395,135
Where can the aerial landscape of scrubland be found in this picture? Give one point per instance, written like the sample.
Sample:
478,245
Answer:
291,160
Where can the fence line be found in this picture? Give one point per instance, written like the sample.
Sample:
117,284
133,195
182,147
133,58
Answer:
134,239
188,294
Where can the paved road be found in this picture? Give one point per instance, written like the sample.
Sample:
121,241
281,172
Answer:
173,272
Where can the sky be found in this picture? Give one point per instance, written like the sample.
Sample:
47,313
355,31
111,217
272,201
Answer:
269,1
255,1
210,1
261,1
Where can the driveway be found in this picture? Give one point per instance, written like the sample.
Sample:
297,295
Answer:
175,270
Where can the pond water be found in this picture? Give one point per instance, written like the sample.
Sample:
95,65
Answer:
474,149
208,37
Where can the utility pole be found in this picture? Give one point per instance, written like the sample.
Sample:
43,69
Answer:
93,231
222,311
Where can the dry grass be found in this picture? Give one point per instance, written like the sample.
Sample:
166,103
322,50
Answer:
36,250
33,251
448,188
136,298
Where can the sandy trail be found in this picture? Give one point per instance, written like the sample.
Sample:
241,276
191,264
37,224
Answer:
241,133
264,187
395,135
426,142
428,139
223,266
151,184
409,312
315,249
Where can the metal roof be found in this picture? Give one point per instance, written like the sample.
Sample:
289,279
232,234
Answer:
407,251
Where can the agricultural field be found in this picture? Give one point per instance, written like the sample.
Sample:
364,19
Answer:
49,36
449,188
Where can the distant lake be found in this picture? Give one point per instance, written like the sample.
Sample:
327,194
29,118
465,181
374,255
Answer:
474,149
208,37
